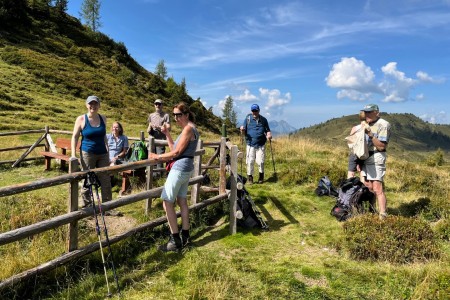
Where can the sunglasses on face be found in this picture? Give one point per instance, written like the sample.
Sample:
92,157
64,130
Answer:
177,115
158,104
255,110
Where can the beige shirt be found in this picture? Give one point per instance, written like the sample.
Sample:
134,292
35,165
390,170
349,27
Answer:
157,120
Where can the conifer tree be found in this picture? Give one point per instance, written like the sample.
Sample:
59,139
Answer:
161,69
228,113
61,5
90,12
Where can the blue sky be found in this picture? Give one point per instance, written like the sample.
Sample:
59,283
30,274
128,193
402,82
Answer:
304,62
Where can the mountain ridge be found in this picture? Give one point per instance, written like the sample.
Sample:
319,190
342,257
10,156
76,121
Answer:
281,128
409,133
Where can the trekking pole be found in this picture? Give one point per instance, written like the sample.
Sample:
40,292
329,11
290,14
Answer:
92,180
273,161
242,143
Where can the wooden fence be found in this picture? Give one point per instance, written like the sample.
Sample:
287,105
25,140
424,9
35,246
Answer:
74,214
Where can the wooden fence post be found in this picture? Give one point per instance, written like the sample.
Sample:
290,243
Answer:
195,189
223,163
149,181
233,188
72,232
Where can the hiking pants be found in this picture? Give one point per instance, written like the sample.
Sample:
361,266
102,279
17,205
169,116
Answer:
91,161
257,154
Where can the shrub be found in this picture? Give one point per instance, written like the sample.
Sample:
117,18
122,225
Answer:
395,239
442,229
436,159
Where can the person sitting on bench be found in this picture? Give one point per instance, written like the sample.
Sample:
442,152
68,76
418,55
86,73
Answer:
117,144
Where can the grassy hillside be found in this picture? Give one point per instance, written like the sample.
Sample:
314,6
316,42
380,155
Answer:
50,63
411,137
304,255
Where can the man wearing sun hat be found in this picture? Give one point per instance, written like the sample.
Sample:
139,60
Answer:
155,121
378,132
257,132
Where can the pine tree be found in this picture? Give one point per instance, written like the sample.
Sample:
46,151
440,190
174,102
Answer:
228,113
90,12
161,69
61,5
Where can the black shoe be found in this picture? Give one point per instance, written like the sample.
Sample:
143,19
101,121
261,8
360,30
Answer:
261,178
86,204
185,238
171,245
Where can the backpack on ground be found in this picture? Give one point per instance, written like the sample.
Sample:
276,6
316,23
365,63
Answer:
353,194
326,188
247,213
137,151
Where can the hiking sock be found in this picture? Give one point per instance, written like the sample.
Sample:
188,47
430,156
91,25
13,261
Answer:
261,178
185,237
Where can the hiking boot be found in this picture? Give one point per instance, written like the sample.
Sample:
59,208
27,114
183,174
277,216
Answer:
383,216
185,238
174,244
250,179
261,178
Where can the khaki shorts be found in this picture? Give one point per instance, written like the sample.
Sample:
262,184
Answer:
374,167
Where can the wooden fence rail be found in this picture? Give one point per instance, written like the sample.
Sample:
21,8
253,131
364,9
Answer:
75,214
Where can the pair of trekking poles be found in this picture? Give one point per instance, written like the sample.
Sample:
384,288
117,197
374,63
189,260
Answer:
92,183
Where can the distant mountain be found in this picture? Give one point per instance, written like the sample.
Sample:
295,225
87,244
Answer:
409,133
280,128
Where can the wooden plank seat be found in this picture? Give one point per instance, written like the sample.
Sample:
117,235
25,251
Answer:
64,145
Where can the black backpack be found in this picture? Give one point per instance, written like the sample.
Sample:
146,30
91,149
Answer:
352,195
326,188
247,213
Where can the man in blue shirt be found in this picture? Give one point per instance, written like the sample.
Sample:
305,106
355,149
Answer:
257,131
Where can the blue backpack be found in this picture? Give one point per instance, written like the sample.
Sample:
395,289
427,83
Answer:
326,188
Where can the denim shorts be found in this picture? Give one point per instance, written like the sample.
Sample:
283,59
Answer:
176,185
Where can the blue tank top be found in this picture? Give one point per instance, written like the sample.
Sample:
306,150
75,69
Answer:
185,162
93,138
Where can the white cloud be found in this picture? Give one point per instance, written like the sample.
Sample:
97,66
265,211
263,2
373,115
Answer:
357,81
274,97
354,77
436,118
247,97
424,77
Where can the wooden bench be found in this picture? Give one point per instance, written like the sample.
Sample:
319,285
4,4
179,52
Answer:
64,145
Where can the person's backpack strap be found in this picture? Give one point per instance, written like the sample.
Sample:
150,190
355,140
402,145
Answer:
248,121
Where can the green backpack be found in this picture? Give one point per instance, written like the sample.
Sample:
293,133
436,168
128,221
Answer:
137,151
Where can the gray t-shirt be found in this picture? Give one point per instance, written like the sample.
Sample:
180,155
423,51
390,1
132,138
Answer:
156,120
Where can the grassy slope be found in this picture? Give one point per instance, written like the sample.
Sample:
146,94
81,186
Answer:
50,66
303,256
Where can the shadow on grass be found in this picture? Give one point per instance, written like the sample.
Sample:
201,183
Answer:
411,209
283,210
273,178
